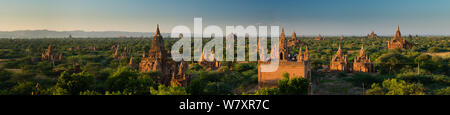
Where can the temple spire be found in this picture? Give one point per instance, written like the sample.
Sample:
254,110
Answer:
361,53
300,55
300,51
306,54
398,29
339,52
157,30
339,47
398,35
306,50
282,38
294,35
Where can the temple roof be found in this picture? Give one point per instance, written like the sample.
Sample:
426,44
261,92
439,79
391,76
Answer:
157,41
398,35
282,35
319,37
294,35
339,50
362,52
157,33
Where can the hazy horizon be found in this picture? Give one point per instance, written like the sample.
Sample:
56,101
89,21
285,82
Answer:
305,17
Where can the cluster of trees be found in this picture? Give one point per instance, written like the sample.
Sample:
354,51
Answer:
286,86
396,87
123,81
395,62
127,81
84,71
87,72
322,51
223,81
416,66
408,83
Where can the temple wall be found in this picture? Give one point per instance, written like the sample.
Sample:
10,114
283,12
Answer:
338,67
270,79
361,67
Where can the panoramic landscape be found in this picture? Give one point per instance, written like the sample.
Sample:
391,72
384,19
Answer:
93,50
331,65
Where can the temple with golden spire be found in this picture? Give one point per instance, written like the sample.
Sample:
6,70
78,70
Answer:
157,60
284,50
51,55
339,62
293,41
398,42
156,57
362,63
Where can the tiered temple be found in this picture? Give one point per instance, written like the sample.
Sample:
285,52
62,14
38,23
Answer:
293,41
398,42
51,55
339,62
319,37
300,66
118,54
372,35
211,63
284,50
157,60
362,63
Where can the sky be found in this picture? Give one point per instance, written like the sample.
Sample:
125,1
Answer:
305,17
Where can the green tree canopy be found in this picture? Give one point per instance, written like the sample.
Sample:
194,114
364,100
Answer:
396,87
76,82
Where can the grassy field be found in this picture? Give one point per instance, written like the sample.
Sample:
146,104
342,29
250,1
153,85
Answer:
331,84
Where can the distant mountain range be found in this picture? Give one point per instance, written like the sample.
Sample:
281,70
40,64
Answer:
74,34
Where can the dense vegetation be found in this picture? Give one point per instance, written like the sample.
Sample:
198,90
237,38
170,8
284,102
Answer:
22,72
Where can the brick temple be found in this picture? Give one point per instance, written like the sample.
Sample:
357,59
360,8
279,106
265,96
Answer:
362,63
51,55
157,59
372,35
339,62
398,42
319,37
298,65
293,41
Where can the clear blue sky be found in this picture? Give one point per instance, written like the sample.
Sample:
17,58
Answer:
306,17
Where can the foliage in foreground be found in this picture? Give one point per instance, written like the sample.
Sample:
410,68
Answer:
396,87
168,90
286,86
